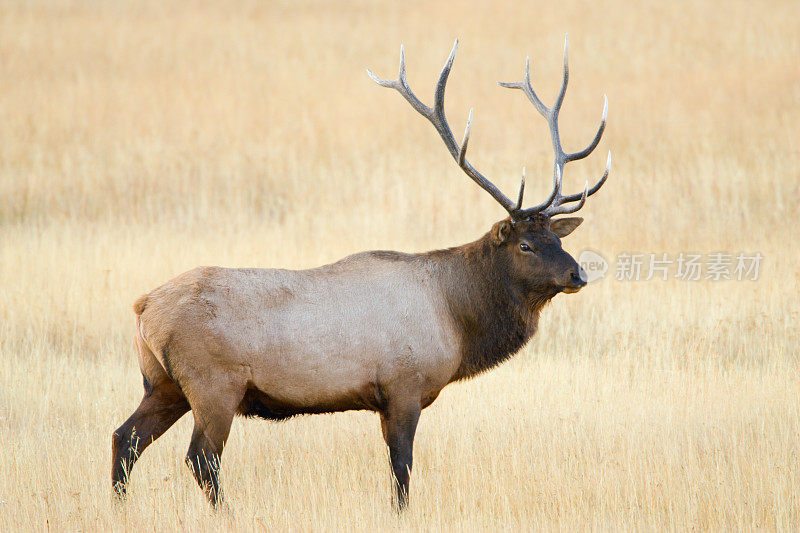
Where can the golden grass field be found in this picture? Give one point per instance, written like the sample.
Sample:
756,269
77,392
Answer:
140,139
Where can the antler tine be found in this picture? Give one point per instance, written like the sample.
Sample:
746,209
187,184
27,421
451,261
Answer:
563,91
441,84
597,136
401,86
595,188
521,190
436,116
562,209
525,213
462,152
526,87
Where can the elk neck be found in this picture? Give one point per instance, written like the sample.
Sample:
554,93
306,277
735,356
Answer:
493,316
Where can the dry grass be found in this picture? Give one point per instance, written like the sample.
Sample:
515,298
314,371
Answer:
139,139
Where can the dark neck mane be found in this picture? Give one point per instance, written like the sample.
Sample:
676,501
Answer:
493,319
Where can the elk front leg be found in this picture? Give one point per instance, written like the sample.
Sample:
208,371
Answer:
399,423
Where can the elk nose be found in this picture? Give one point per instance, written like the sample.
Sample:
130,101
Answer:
578,278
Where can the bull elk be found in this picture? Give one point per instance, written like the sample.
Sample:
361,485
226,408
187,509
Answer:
379,331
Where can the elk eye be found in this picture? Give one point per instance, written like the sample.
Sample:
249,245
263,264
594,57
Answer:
524,247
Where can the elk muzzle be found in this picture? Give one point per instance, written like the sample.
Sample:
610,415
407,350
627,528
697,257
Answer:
574,279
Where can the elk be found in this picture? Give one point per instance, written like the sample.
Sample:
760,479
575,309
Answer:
381,331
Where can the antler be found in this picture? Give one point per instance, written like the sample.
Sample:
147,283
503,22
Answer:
556,204
436,116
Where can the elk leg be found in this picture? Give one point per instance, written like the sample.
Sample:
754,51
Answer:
211,430
399,423
161,407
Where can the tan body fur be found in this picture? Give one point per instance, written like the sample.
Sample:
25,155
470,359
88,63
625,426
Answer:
338,337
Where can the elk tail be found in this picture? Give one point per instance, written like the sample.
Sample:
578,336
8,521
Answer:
140,304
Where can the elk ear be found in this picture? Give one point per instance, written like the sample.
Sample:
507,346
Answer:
564,226
501,231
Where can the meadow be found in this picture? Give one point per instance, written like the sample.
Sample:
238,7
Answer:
139,139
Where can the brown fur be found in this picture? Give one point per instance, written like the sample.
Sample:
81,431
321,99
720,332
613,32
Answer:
493,322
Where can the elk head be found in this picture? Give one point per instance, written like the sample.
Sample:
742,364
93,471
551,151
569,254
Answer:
531,252
529,238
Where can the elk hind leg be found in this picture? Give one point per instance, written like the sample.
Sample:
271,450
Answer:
163,405
212,425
